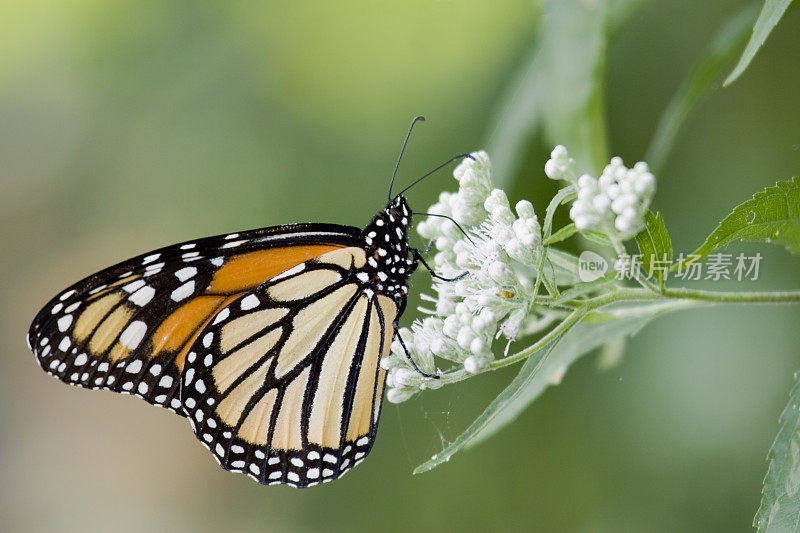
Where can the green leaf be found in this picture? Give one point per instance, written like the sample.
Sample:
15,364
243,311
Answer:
655,247
771,13
562,196
772,215
701,80
582,289
545,368
597,237
780,500
574,45
564,266
564,233
558,90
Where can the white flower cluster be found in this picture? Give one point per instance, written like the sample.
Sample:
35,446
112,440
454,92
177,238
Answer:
615,203
498,256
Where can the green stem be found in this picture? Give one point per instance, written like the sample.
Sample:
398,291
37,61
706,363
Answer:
675,298
768,297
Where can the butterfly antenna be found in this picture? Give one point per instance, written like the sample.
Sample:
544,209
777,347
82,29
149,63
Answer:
454,158
448,218
419,118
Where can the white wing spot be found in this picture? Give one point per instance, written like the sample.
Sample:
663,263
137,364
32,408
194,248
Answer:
142,388
166,381
189,255
313,473
233,244
198,416
80,360
254,469
219,449
249,302
293,476
200,387
64,322
207,338
329,458
128,385
259,454
208,359
155,369
64,344
273,461
183,292
211,423
231,236
237,449
97,289
161,398
188,246
296,461
217,261
133,286
190,403
313,455
222,315
143,296
363,441
66,295
133,334
56,308
185,273
134,367
150,258
72,307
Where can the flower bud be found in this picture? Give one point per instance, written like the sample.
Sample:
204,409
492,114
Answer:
395,395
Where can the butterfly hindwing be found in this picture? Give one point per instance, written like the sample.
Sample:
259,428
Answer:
285,384
128,327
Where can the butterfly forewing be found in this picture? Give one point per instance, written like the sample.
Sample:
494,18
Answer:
128,327
285,383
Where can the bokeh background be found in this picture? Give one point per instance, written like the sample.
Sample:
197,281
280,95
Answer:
125,126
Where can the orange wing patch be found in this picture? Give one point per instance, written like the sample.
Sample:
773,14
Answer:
245,271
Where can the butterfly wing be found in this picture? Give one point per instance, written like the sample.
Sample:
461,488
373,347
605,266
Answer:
284,384
128,328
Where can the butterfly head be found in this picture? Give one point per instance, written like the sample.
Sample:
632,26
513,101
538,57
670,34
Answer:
386,243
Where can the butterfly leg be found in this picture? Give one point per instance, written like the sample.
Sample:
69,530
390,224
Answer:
408,355
418,257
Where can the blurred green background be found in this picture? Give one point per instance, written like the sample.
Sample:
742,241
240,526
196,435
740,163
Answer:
125,126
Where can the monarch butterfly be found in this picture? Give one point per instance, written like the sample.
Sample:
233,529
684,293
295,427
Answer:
268,341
